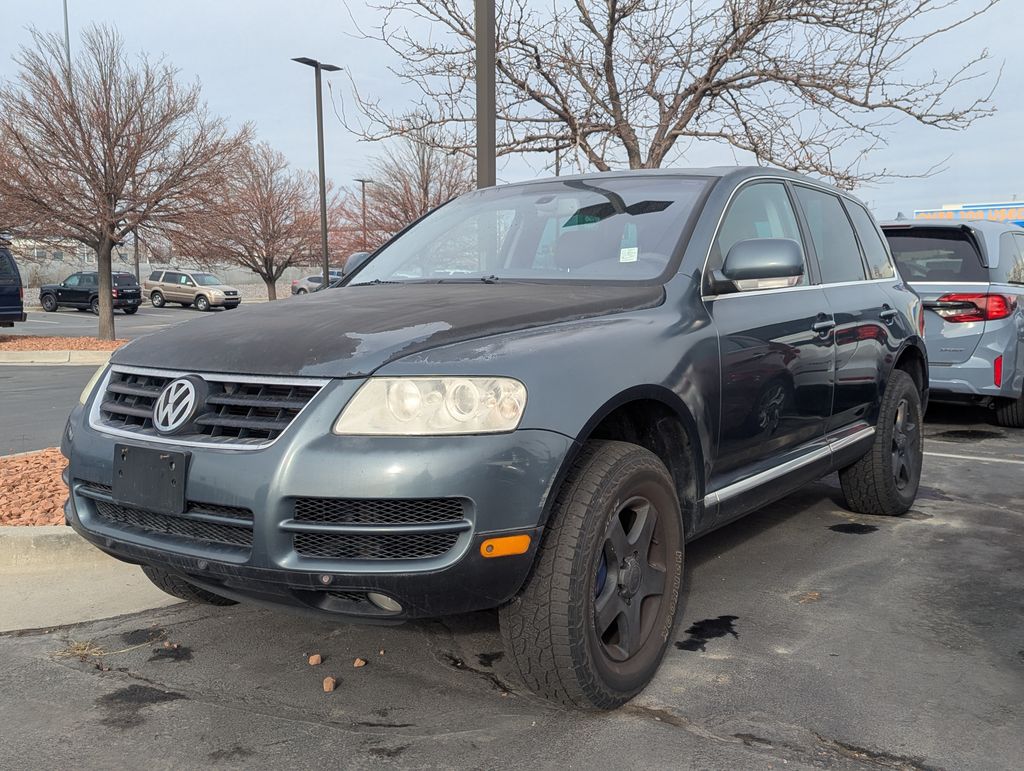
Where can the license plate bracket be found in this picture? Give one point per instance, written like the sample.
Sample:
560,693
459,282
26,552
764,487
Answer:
150,479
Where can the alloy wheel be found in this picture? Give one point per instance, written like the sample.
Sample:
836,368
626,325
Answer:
629,579
905,441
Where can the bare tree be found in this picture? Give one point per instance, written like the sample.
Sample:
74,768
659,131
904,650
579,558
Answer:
107,147
808,85
406,181
265,218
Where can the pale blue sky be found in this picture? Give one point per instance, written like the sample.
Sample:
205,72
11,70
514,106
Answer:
241,51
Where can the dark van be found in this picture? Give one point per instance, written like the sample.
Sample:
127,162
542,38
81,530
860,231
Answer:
12,293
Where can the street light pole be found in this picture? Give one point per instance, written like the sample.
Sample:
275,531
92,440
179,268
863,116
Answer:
67,38
317,68
362,184
486,103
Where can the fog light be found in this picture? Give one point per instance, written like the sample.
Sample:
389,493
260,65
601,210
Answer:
383,602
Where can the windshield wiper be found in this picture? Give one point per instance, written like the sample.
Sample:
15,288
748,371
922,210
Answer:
376,281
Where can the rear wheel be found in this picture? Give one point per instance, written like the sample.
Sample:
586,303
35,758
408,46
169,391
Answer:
886,479
182,589
590,627
1010,413
94,306
157,298
300,291
49,303
202,303
130,310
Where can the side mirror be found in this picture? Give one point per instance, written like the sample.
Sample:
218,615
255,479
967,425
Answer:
760,259
354,262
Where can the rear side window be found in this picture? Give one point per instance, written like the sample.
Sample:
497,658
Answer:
1011,258
8,270
172,278
89,279
936,254
761,210
832,234
155,275
875,252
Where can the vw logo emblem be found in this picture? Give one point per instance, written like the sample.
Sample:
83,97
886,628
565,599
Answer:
176,405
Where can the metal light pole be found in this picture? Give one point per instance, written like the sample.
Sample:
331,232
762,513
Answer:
363,183
486,103
67,37
317,67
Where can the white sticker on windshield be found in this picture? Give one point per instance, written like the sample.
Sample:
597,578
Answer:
628,254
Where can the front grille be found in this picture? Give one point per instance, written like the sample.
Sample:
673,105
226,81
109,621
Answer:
382,512
236,411
374,546
190,525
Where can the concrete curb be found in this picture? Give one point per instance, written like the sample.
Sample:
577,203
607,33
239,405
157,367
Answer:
76,358
27,546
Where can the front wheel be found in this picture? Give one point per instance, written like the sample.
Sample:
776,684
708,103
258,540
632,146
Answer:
182,589
49,303
590,627
885,480
202,304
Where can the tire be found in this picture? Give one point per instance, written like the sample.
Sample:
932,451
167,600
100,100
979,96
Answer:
94,306
182,589
885,481
1010,413
131,310
157,298
202,303
49,303
551,628
301,291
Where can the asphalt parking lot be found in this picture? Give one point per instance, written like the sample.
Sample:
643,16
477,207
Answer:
810,638
72,323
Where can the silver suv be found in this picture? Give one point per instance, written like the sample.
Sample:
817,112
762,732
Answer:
190,287
970,276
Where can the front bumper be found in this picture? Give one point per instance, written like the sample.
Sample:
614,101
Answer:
505,479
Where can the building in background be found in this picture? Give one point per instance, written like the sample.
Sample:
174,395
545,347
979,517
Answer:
994,212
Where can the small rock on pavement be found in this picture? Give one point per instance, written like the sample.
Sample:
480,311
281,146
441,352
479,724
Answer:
315,660
329,684
359,663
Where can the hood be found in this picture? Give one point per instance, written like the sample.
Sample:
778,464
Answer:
219,287
352,331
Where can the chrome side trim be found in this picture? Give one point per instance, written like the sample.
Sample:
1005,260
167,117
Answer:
755,481
801,288
100,389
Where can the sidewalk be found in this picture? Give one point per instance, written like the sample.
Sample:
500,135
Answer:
49,576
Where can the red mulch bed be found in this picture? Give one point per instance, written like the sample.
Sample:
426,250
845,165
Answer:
44,343
31,491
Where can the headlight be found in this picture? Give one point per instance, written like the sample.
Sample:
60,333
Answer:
425,406
91,384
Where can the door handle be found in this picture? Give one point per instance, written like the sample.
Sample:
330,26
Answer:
888,314
821,327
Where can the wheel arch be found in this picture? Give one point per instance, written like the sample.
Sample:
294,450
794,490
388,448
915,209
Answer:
912,358
655,418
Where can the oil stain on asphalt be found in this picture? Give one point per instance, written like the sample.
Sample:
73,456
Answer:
124,706
701,632
853,528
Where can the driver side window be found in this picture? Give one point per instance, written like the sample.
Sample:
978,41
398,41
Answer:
760,210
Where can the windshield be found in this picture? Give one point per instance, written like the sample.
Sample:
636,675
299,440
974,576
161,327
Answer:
619,229
206,279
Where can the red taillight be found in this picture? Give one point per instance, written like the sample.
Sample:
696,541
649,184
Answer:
962,307
113,292
21,292
997,371
295,281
